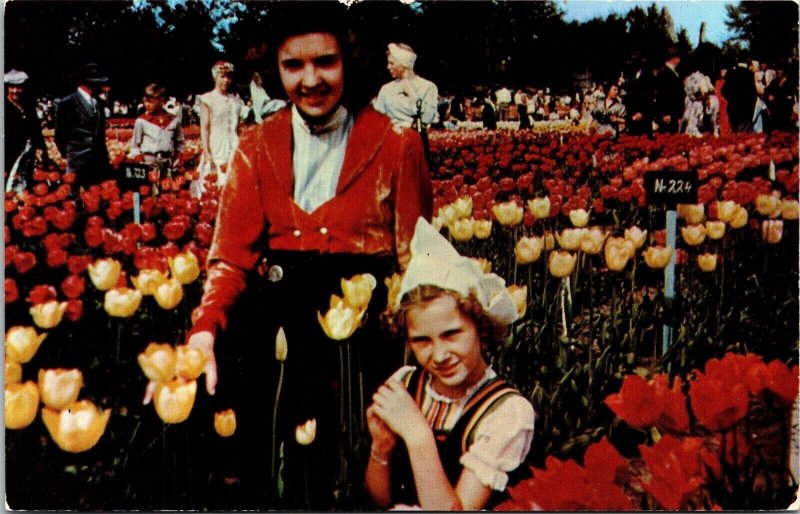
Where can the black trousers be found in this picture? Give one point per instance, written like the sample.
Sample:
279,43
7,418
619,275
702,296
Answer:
323,379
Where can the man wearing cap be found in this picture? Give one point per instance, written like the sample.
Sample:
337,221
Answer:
322,190
81,129
23,132
409,100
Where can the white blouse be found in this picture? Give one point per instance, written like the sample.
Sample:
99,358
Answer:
502,438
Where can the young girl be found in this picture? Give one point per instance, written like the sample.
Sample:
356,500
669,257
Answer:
157,135
449,434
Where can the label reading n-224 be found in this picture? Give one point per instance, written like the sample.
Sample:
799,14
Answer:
671,187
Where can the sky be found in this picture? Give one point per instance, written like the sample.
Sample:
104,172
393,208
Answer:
685,13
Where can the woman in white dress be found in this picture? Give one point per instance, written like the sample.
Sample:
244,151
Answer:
221,112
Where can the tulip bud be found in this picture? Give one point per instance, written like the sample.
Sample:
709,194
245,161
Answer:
617,252
636,236
189,362
561,263
59,387
393,289
225,423
22,343
158,362
358,290
579,217
772,231
169,294
508,213
657,257
767,205
78,427
122,302
726,210
485,264
693,235
104,273
13,372
790,209
281,345
540,207
593,240
707,262
520,297
148,281
22,404
739,218
461,229
528,249
482,228
715,229
48,314
306,433
184,267
570,238
463,207
340,321
549,241
174,400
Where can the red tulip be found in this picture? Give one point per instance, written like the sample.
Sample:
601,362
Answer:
675,469
73,286
12,293
42,293
24,261
35,227
204,233
718,403
776,381
174,230
57,258
674,417
74,310
637,403
77,264
93,237
95,222
91,201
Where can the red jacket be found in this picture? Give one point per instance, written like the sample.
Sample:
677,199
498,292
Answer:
383,188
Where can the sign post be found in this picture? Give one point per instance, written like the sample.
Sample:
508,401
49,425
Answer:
670,188
134,175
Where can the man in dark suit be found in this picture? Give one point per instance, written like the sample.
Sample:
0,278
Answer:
670,95
740,91
80,129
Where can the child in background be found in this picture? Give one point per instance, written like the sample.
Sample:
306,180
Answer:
157,134
447,434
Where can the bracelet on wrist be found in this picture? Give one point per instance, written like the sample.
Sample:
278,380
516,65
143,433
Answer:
377,459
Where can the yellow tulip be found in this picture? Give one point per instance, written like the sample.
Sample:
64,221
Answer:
508,213
437,222
59,387
358,290
78,427
593,240
225,423
657,257
549,241
540,207
22,343
693,235
184,267
148,281
715,229
306,433
767,205
482,228
122,302
520,297
48,314
617,252
740,217
726,210
169,294
561,263
174,400
772,231
463,207
579,217
692,213
461,229
790,209
104,273
393,289
341,320
485,264
528,249
22,404
158,362
189,362
707,262
570,238
13,372
636,236
448,214
281,345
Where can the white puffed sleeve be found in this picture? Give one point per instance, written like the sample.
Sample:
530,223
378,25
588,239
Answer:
502,441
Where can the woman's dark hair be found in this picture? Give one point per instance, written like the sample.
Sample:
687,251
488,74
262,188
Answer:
491,333
324,16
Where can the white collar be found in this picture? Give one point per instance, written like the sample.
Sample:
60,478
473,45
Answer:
335,122
86,96
487,375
